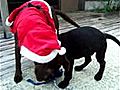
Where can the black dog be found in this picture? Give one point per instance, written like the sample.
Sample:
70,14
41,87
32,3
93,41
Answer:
84,42
80,42
18,73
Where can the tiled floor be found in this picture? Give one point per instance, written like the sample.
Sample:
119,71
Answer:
83,80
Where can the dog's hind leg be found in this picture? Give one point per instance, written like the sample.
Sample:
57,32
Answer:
55,20
18,72
66,18
87,61
100,55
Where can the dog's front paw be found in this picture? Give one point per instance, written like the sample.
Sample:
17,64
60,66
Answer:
63,84
18,78
98,77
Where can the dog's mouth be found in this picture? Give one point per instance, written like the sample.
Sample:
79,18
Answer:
43,80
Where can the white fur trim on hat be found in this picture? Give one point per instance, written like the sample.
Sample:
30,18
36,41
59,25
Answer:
8,23
62,51
37,58
41,59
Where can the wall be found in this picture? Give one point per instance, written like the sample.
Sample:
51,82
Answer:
69,5
0,6
74,5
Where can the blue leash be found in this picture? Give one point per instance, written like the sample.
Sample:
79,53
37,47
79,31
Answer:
40,83
37,83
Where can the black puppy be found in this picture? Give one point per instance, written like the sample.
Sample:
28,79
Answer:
84,42
79,42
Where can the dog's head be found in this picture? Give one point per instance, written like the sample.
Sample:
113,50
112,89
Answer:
45,72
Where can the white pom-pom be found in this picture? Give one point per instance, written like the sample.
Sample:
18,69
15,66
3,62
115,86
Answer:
8,23
62,51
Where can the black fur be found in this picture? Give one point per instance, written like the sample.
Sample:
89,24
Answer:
84,42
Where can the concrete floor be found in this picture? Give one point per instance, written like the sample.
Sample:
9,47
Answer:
83,80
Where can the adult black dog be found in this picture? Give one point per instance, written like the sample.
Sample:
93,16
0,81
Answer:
18,73
80,42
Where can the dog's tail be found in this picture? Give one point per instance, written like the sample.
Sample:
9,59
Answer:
108,36
66,18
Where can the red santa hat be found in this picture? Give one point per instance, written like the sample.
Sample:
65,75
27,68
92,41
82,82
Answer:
9,20
26,49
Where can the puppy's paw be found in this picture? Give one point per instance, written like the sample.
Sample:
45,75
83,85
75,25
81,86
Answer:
98,77
18,78
78,68
63,84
